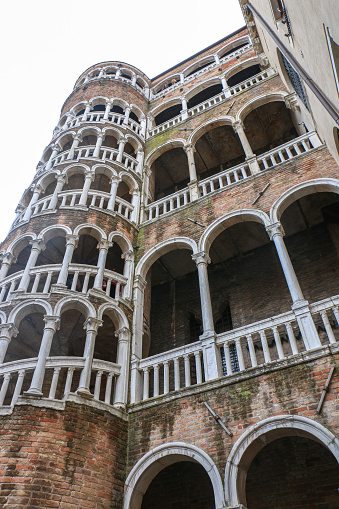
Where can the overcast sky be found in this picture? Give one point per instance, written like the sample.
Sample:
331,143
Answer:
47,45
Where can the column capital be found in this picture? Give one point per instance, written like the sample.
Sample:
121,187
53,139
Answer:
275,230
109,102
104,244
90,175
238,125
8,258
291,101
36,188
61,178
37,244
101,135
122,139
8,331
139,283
123,334
52,322
148,171
115,179
72,240
128,256
188,148
56,147
201,257
77,137
92,324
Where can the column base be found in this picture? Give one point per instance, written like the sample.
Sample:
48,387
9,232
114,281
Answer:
194,190
33,393
212,358
84,393
253,164
306,325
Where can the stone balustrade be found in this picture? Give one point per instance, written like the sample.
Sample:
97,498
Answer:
217,99
80,279
268,342
281,154
60,380
206,69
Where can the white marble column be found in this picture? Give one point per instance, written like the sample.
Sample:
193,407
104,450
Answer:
37,247
7,260
238,127
103,247
61,179
89,177
107,110
37,189
115,180
71,244
193,184
136,205
100,139
55,152
127,113
51,325
300,306
117,74
75,144
91,326
128,256
140,159
86,112
138,325
7,332
216,59
122,143
134,80
121,386
184,113
143,127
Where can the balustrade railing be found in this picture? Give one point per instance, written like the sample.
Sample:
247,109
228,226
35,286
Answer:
206,69
80,279
221,180
60,380
217,99
98,116
173,370
265,342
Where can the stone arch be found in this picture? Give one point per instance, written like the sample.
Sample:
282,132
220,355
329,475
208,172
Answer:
72,169
20,243
112,131
90,229
77,107
202,86
163,106
85,131
233,44
166,81
259,101
320,185
157,152
205,60
104,169
224,222
122,240
45,180
134,142
3,318
129,181
162,248
51,231
240,66
65,138
137,111
77,303
98,100
207,126
117,101
118,316
262,433
162,456
24,308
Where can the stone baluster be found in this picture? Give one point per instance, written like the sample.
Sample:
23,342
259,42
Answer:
91,326
300,305
55,152
143,127
251,158
103,247
61,180
89,177
121,387
7,332
51,325
37,247
71,244
138,322
75,144
37,189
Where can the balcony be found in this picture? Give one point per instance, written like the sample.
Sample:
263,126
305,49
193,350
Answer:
80,279
60,381
213,101
299,146
265,345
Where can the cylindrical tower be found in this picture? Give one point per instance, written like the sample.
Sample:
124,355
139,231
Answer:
66,278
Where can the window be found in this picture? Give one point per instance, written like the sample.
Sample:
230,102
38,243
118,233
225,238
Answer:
277,8
295,80
333,49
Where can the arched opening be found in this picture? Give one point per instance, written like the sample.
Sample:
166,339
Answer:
54,252
204,95
114,261
130,150
69,340
233,49
26,344
311,225
21,261
101,182
98,107
167,114
133,116
124,191
216,150
50,188
293,471
243,75
106,344
200,67
269,126
74,181
66,143
86,252
87,140
169,173
117,109
183,485
110,142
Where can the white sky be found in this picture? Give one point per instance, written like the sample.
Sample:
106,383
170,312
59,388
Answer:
47,45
